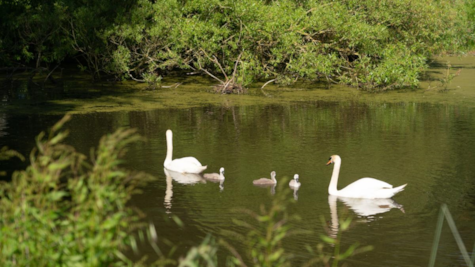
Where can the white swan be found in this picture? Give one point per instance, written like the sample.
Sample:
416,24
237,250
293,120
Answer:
183,165
215,176
362,188
295,184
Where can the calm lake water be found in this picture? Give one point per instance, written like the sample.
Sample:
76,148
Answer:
429,146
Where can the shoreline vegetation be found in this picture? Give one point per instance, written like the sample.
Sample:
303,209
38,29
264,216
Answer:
370,45
448,82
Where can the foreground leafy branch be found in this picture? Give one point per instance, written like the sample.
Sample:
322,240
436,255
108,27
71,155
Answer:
67,210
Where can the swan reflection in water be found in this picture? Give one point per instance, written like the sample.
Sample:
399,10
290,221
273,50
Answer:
182,178
363,207
168,195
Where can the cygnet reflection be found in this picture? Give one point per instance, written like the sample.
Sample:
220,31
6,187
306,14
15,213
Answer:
271,186
296,193
221,186
221,183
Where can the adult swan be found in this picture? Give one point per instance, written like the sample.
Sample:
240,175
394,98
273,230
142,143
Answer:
183,165
363,188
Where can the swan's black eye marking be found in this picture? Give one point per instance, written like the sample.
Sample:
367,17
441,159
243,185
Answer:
330,158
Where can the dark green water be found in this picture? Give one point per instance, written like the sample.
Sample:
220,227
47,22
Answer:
428,146
423,138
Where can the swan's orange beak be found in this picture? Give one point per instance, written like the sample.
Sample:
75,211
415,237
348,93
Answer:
329,162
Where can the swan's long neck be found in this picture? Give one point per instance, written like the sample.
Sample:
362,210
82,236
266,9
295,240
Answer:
169,147
332,190
273,178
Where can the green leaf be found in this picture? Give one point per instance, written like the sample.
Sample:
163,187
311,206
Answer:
57,195
328,239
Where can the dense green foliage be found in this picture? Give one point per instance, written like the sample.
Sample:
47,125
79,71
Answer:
369,44
64,210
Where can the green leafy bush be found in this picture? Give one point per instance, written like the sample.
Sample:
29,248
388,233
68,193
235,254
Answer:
65,210
369,44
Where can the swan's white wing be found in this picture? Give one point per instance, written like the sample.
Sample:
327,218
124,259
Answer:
367,184
367,188
190,160
185,165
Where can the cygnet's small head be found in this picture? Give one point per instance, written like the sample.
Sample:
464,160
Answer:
221,170
296,177
272,174
332,159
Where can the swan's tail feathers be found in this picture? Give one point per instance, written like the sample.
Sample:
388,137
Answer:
195,169
203,168
399,188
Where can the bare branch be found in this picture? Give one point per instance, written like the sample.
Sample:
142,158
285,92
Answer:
135,79
236,64
51,73
220,67
175,85
267,83
215,61
207,72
